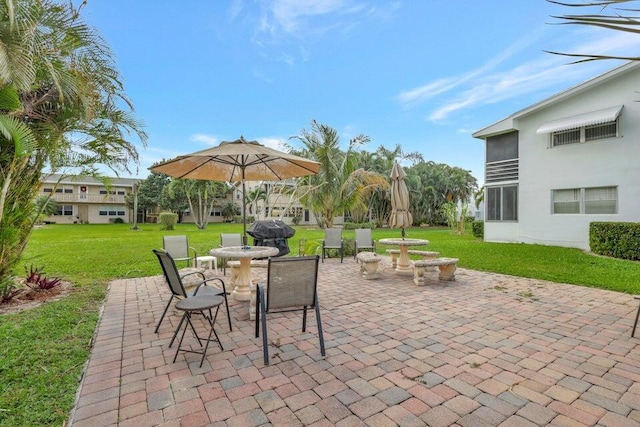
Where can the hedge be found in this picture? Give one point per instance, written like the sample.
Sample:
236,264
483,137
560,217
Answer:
615,239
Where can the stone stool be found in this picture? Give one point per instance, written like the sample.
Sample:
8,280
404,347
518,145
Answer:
447,267
368,264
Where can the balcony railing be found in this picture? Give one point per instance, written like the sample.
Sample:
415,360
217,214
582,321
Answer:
504,170
87,198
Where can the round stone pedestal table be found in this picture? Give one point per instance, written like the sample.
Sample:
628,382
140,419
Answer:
245,254
404,265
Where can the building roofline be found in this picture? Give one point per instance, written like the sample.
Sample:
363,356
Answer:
80,179
506,124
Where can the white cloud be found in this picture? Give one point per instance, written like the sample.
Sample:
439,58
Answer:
288,15
273,142
236,8
207,139
413,97
491,83
430,90
292,24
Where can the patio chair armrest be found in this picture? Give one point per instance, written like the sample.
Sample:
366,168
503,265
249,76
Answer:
205,282
182,276
195,253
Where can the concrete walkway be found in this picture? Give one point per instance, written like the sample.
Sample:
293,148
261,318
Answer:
486,350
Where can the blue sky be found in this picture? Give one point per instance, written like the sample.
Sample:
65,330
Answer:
422,74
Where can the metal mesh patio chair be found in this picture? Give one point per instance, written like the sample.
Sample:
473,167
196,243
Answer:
364,241
179,249
189,306
291,286
333,240
228,240
176,286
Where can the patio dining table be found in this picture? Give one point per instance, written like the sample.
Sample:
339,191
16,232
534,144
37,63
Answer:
404,265
245,254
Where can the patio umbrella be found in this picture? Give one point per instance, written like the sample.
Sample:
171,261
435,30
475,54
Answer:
400,215
238,160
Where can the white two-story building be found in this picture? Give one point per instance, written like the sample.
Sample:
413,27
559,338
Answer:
556,166
86,200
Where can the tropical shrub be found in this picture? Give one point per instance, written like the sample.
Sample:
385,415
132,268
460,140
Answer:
477,228
349,246
354,225
8,290
238,219
36,280
168,220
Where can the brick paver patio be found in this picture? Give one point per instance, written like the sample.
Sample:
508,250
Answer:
485,350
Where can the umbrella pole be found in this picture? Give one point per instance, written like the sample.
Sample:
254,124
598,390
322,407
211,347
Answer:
244,213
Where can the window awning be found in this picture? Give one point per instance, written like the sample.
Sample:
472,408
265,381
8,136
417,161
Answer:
594,118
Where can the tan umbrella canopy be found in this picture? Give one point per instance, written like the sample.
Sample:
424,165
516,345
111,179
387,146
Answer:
400,215
238,160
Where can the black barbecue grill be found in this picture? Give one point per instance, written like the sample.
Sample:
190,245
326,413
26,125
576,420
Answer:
272,233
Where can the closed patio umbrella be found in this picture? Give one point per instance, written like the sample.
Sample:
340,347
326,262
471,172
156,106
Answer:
400,215
236,161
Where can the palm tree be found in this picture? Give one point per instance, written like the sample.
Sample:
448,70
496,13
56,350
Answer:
431,185
617,20
45,206
60,105
229,210
338,186
381,161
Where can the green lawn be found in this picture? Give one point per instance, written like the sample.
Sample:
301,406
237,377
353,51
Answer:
89,253
44,349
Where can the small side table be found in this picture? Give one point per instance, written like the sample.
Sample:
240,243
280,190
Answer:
211,260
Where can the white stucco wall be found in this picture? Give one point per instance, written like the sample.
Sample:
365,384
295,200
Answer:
503,232
600,163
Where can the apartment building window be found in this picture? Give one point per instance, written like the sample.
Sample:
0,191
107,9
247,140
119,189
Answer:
64,210
117,191
566,201
565,137
589,201
585,134
586,127
112,211
65,190
295,212
502,203
502,158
